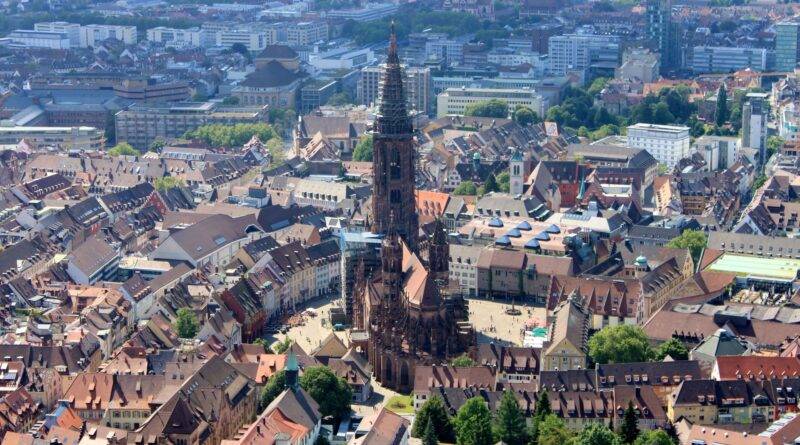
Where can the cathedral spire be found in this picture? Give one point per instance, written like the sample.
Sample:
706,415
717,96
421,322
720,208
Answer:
392,118
393,58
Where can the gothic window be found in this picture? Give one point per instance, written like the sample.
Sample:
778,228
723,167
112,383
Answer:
516,170
394,165
394,196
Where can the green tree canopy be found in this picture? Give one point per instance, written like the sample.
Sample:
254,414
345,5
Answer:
474,423
597,86
463,361
168,182
282,346
434,412
491,184
429,438
274,387
466,188
552,431
629,430
363,150
525,116
673,348
509,423
774,144
654,437
332,393
620,344
721,115
694,240
219,135
597,434
123,149
276,152
230,100
339,99
504,182
488,108
186,323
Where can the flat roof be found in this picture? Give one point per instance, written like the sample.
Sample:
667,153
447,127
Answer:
671,128
12,129
781,268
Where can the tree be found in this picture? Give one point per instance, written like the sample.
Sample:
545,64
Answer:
158,144
276,153
463,361
220,135
186,323
466,188
654,437
694,240
597,86
510,421
434,412
774,144
429,438
721,115
123,149
168,182
552,431
491,184
504,182
241,49
332,393
274,387
525,116
597,434
282,346
758,182
630,425
619,344
230,100
543,408
662,115
363,150
474,423
488,108
673,348
339,99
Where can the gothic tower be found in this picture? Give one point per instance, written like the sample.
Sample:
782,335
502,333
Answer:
393,156
439,253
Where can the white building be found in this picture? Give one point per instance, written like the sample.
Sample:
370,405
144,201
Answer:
456,100
252,40
416,83
180,38
65,138
718,151
72,30
667,143
372,11
755,114
92,35
582,51
789,121
464,267
297,33
341,59
39,39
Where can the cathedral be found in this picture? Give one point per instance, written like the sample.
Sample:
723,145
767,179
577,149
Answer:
408,312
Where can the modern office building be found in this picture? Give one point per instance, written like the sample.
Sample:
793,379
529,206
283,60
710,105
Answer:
639,64
575,52
662,32
38,39
141,125
372,11
63,138
175,37
72,30
416,83
92,35
755,114
297,33
456,100
725,59
787,44
666,143
252,39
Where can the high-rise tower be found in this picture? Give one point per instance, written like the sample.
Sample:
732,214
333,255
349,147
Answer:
393,157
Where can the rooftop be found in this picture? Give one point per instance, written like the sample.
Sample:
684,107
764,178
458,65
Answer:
780,268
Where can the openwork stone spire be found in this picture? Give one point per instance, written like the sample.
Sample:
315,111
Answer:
392,116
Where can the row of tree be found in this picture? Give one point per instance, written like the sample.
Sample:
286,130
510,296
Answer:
474,424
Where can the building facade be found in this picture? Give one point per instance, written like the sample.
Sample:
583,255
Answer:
668,144
456,100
